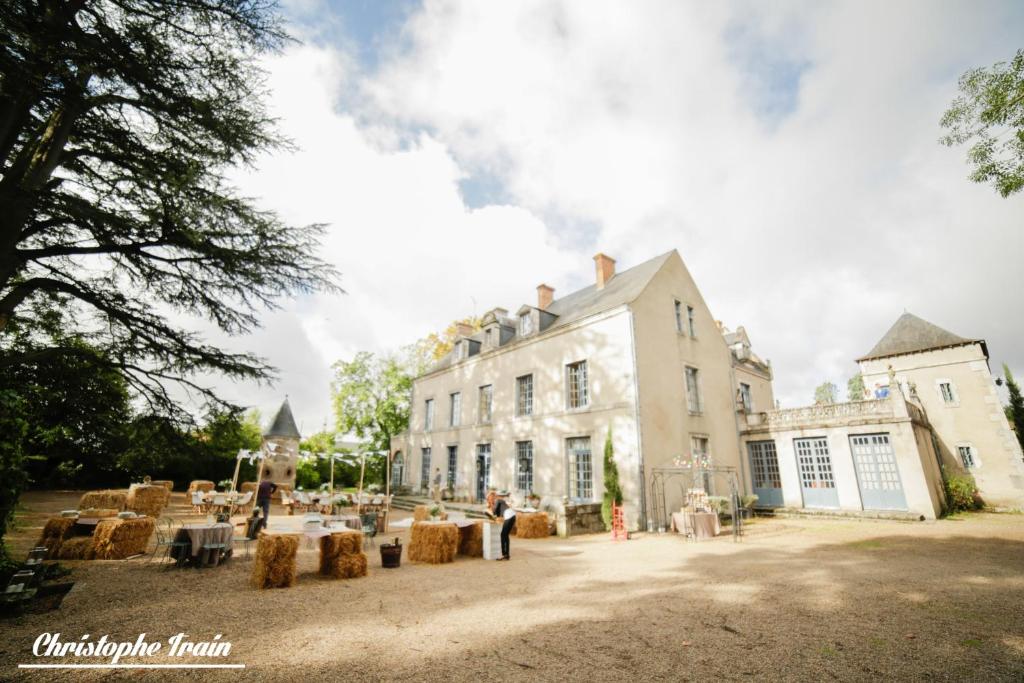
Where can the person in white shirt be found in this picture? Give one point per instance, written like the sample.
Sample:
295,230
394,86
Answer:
503,511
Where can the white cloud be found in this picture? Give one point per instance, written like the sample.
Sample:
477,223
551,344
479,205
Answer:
812,216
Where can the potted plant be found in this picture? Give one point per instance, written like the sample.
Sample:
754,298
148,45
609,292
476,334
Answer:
435,513
533,499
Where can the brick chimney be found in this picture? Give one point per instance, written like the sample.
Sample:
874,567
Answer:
463,329
545,295
605,269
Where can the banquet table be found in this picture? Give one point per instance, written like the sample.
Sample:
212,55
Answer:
351,521
198,535
701,524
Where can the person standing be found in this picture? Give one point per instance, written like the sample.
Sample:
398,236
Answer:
263,494
504,512
437,485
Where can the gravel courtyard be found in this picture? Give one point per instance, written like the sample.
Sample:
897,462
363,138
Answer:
796,600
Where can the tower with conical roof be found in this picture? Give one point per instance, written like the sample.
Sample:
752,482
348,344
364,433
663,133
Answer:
281,444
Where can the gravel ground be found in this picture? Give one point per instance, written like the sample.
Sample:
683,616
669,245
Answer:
796,600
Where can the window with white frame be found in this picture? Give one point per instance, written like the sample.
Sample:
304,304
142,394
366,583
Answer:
700,447
524,395
525,324
581,470
455,414
691,321
745,399
577,390
679,315
967,455
486,403
460,350
428,414
694,402
948,393
425,468
524,466
453,465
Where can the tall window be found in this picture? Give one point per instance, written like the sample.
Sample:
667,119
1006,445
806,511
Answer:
693,398
679,316
967,455
428,415
425,469
701,454
524,466
453,465
581,471
455,416
525,324
691,321
745,399
948,396
524,395
486,403
576,384
397,470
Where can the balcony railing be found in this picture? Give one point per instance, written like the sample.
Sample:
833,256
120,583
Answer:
829,412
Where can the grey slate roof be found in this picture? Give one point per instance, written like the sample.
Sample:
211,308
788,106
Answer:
284,423
621,289
910,334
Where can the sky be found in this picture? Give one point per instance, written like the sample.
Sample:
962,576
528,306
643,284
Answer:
464,152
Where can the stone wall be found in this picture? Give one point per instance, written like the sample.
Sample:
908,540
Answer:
580,519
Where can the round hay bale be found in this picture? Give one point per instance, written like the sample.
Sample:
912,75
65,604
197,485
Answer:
116,539
56,531
166,483
147,499
471,539
109,499
532,525
433,543
76,548
274,565
97,513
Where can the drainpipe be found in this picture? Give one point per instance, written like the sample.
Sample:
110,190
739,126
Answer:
642,521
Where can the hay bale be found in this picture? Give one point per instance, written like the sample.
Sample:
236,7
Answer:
471,540
97,513
532,525
200,485
147,499
421,513
76,548
342,556
166,483
274,566
433,543
116,539
56,531
108,499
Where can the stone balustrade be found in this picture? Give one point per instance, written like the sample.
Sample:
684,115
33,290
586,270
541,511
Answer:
833,412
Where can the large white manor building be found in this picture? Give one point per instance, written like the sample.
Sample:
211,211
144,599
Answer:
527,402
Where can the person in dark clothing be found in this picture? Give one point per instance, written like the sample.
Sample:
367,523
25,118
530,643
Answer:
503,511
263,494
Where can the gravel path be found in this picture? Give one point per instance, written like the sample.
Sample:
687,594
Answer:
797,600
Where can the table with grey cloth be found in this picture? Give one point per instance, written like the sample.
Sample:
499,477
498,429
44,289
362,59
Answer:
700,524
199,535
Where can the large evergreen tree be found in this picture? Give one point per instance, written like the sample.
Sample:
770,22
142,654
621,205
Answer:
118,122
612,488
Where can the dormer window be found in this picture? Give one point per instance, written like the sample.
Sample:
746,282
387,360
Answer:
525,324
460,350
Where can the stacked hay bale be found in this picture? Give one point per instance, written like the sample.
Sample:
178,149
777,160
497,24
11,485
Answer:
147,499
200,485
532,525
275,565
433,543
77,548
55,533
97,513
471,539
116,539
166,483
421,513
342,556
103,499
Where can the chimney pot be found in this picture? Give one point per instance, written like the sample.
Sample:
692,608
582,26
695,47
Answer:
463,329
605,269
545,295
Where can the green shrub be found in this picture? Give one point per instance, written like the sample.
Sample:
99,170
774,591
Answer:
720,504
961,493
307,475
749,502
612,489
